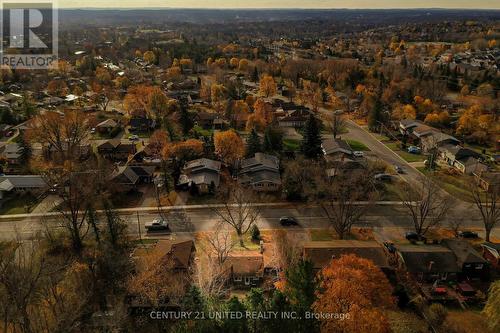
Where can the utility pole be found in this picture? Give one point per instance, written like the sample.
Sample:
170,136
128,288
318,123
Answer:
139,227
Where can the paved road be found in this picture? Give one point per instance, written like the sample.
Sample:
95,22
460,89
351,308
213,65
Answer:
382,218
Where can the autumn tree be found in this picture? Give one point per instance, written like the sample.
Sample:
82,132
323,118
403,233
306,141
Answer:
488,205
229,146
425,203
183,151
57,88
354,286
149,57
337,124
103,94
492,308
238,211
62,133
267,86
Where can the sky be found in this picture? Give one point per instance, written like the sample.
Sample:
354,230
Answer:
478,4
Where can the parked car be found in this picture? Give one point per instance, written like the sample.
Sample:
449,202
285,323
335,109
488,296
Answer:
382,177
92,130
133,137
288,221
414,150
412,236
157,225
468,234
358,153
398,169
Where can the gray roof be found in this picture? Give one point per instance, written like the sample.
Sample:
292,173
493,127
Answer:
464,252
12,150
260,168
11,182
201,171
202,163
109,123
331,146
428,258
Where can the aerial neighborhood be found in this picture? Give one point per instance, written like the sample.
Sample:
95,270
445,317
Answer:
212,164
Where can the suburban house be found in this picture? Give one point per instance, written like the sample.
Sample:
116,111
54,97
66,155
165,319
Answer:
261,172
245,271
141,124
116,150
472,265
294,118
204,173
12,153
427,263
107,126
128,177
320,253
463,159
489,181
435,139
205,119
336,149
491,252
21,183
406,126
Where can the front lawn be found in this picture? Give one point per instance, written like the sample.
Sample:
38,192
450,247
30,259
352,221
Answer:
318,235
394,146
456,185
357,146
291,144
18,204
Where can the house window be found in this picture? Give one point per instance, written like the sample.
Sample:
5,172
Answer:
237,278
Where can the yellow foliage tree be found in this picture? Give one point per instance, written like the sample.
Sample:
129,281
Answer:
229,146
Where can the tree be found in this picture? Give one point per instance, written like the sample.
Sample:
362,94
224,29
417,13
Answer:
62,133
337,124
354,286
492,308
488,204
149,57
220,243
183,151
253,144
425,204
229,146
339,199
185,120
238,211
311,141
273,139
375,115
255,233
267,86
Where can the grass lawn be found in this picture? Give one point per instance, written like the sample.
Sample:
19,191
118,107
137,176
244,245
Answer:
467,321
356,145
18,204
457,186
322,235
394,146
249,244
201,131
291,144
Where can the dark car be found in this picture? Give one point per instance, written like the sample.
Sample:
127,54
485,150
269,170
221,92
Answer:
288,221
398,169
468,234
382,177
412,236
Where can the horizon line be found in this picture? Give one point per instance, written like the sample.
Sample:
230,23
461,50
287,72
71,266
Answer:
276,8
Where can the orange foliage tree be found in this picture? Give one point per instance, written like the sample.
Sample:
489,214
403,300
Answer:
229,146
184,150
355,286
267,86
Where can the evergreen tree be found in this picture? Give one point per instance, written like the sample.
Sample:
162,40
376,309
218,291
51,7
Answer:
311,141
253,144
185,120
273,139
375,115
255,75
301,290
235,325
25,150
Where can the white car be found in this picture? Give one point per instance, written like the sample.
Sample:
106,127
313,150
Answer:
133,137
358,154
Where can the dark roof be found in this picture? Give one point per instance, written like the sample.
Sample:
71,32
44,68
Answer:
261,167
335,145
322,252
109,144
181,254
428,258
464,252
